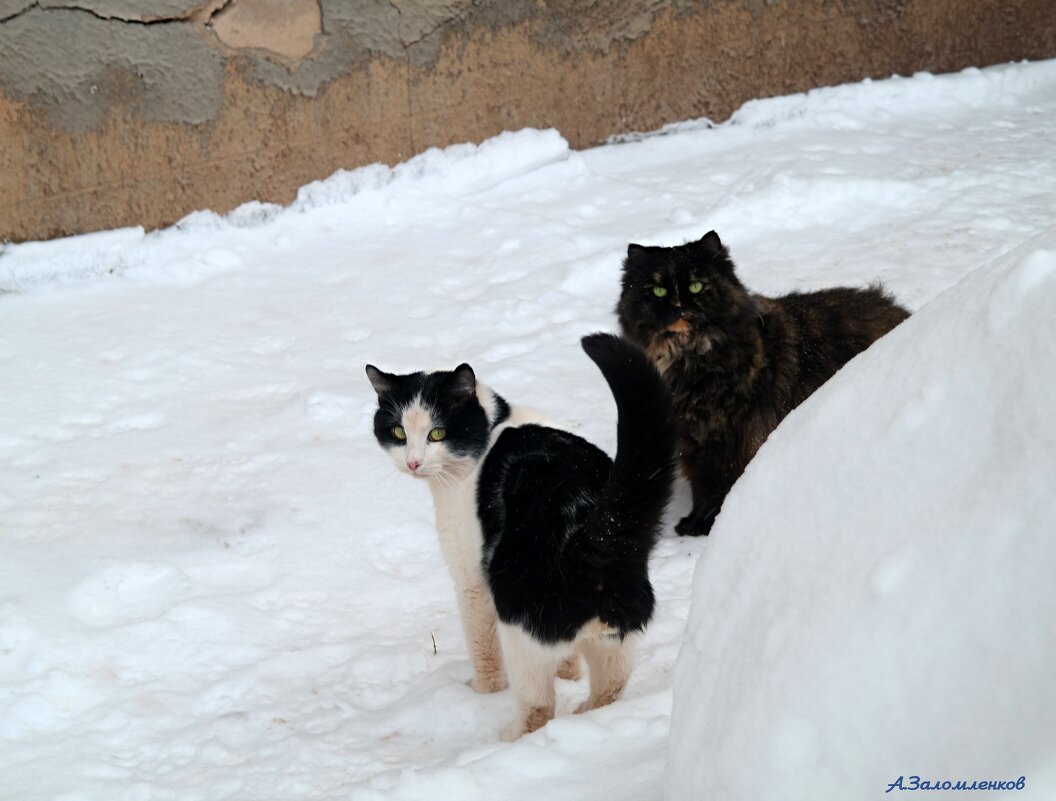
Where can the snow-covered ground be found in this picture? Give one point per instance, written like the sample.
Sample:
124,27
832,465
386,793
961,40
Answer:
213,584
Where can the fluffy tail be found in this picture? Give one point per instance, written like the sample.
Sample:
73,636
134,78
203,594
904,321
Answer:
626,523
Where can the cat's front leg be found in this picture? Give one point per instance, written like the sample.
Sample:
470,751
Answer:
698,523
708,495
479,621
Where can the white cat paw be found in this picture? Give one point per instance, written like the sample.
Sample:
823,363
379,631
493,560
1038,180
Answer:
512,732
488,685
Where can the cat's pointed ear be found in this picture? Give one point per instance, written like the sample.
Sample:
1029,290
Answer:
463,382
637,256
383,383
711,243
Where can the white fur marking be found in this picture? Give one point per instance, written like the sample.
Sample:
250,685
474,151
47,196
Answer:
531,666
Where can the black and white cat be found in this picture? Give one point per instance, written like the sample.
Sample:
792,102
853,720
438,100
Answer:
546,538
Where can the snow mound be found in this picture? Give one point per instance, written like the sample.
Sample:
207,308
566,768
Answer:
455,171
462,168
75,257
876,599
850,109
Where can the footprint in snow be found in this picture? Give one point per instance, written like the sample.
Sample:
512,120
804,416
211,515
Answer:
127,592
327,407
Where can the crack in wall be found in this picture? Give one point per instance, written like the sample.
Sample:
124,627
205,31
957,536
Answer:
195,13
408,81
413,56
16,12
220,7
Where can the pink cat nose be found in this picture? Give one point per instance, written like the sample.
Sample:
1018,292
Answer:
414,466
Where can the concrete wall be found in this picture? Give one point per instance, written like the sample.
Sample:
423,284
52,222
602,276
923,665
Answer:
123,112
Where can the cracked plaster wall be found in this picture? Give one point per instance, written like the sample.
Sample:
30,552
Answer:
124,112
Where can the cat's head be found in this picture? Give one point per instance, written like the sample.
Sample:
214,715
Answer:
433,425
680,296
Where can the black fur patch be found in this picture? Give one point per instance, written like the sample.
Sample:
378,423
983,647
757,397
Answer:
536,491
568,532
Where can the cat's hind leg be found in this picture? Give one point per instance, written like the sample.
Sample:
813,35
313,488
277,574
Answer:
531,666
709,490
610,661
479,621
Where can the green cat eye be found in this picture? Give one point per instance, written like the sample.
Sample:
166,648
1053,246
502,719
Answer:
659,291
695,287
399,433
437,434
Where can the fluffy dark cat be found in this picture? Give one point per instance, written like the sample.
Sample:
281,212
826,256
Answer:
736,362
559,533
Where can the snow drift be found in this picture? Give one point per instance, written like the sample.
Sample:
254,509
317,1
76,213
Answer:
877,597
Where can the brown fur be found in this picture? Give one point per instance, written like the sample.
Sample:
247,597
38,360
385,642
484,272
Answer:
569,669
482,639
736,362
537,717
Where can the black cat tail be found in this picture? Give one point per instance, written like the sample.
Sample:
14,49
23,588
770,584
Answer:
626,523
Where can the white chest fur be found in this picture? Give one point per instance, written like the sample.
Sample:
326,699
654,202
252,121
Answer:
458,529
